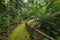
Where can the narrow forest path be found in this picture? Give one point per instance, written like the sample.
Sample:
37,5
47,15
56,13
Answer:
19,33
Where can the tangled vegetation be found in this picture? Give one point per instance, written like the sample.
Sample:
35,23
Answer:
44,12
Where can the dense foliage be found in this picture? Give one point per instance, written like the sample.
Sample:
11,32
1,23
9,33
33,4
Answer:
45,12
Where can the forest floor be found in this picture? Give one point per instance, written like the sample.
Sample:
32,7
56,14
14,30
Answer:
19,33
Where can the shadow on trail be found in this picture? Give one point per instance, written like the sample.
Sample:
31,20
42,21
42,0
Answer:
30,31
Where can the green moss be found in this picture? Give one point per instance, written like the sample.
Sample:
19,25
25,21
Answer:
20,33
